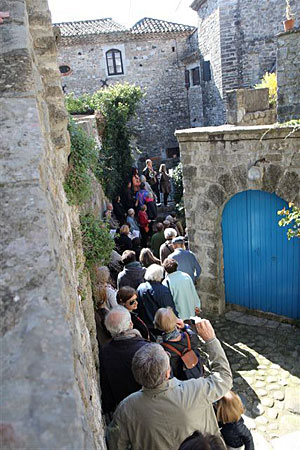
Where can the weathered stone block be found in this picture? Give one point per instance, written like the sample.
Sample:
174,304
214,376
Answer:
288,187
240,176
228,183
271,177
216,194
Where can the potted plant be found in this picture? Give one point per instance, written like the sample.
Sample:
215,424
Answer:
290,18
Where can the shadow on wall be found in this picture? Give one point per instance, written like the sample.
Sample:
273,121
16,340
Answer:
213,103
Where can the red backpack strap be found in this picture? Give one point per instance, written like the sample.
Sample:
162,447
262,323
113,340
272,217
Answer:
173,349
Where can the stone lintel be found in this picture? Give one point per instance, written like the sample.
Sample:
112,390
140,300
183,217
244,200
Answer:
231,133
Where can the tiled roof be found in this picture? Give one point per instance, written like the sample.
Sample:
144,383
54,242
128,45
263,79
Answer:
148,25
88,27
103,26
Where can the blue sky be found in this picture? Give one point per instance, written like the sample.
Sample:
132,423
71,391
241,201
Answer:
126,12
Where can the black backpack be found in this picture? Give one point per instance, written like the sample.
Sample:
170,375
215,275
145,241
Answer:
191,366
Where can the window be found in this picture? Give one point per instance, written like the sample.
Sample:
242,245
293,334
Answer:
114,62
65,70
187,78
173,152
206,71
196,76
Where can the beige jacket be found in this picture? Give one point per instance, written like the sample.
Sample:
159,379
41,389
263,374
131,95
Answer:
161,418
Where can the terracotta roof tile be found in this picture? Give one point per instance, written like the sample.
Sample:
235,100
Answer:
104,26
148,25
88,27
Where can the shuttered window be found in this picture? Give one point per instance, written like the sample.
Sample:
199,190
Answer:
114,62
196,76
187,78
206,71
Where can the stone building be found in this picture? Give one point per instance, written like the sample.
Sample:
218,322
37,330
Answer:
235,180
237,45
97,53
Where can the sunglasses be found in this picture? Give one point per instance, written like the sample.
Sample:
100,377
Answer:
132,302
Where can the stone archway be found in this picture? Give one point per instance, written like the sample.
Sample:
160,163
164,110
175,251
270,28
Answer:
218,163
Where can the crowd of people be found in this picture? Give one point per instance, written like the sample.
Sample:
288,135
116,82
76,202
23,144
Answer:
165,379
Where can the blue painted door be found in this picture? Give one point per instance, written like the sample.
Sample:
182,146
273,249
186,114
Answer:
261,267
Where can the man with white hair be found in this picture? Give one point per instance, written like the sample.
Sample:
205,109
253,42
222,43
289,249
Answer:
166,411
131,220
167,248
187,261
116,378
152,295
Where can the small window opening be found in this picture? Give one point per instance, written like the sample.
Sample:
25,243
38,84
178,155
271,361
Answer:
196,76
173,49
65,70
206,71
187,78
173,152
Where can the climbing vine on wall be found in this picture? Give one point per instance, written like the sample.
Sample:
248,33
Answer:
96,240
82,162
115,106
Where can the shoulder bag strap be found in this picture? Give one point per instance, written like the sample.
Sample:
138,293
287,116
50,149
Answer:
173,349
189,346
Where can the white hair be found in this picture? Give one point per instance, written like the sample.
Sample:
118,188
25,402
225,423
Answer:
170,233
149,365
118,320
130,212
154,273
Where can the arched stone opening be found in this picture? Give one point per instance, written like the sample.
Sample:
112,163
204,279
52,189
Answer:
218,163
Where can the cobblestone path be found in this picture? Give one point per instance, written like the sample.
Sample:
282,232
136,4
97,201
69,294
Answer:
265,360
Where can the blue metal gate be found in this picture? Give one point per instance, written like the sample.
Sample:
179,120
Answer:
261,267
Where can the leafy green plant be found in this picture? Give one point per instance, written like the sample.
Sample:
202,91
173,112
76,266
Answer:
269,81
291,218
96,240
82,161
117,105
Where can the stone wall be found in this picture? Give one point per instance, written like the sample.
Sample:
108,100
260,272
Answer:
288,79
216,162
150,61
249,107
242,45
50,394
209,40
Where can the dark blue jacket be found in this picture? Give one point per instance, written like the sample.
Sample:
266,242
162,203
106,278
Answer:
152,295
236,434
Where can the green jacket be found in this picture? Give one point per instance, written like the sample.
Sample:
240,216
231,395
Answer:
156,241
162,418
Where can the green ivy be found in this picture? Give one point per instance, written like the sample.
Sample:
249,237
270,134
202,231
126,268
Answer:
116,105
96,240
82,162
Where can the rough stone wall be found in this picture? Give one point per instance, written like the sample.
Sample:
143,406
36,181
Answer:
288,79
249,107
50,395
216,161
152,62
209,39
240,36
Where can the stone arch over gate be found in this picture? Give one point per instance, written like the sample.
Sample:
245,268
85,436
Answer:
219,162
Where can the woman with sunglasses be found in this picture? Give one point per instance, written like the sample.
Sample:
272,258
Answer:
127,297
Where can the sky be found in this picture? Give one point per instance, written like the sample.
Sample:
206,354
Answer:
126,12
